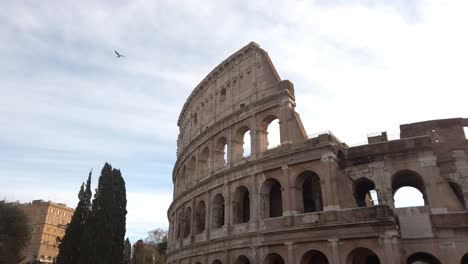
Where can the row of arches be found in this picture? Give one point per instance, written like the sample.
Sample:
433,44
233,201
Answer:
360,255
271,195
408,189
224,151
308,196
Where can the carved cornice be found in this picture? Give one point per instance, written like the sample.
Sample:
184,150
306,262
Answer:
214,74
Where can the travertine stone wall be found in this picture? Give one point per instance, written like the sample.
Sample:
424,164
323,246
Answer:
307,200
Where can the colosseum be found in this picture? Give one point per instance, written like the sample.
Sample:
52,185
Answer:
310,199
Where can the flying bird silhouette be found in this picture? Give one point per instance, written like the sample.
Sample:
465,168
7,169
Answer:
118,54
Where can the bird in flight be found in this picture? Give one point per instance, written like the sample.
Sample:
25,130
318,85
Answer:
118,54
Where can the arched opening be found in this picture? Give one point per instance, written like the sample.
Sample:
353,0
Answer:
269,135
273,258
241,144
204,162
218,211
241,205
187,221
464,260
183,178
191,169
217,261
200,217
458,192
308,182
422,258
242,260
362,256
408,189
314,257
246,145
272,199
180,225
364,193
220,154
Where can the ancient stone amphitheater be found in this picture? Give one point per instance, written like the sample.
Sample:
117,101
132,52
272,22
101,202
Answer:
310,199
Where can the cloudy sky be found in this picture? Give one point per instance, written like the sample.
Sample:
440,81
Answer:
68,105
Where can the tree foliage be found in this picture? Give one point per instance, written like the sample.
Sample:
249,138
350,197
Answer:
157,239
104,233
14,232
127,252
70,245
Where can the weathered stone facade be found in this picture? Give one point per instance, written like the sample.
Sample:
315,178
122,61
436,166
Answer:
305,200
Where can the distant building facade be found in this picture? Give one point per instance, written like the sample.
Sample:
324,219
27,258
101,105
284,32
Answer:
308,200
48,221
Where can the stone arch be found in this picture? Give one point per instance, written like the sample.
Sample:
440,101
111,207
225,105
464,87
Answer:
274,258
362,192
187,221
408,178
192,167
269,138
457,190
220,151
180,224
200,217
240,148
241,205
362,255
216,261
204,162
272,198
314,257
310,192
464,259
218,211
183,178
242,259
422,258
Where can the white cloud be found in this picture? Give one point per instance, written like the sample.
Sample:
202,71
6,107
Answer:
68,105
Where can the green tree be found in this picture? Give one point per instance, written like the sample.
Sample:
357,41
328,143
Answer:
127,252
104,234
14,232
69,247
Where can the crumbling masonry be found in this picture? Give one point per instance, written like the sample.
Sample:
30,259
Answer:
307,200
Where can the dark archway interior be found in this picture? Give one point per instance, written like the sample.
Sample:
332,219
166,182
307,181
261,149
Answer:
200,217
241,205
274,259
311,192
464,260
276,200
422,257
218,211
314,257
245,207
242,260
362,188
363,256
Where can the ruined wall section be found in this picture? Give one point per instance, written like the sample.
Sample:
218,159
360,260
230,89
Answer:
238,81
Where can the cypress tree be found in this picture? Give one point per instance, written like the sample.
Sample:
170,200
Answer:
69,247
103,239
127,252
